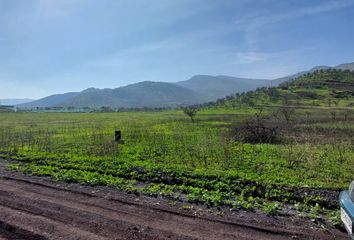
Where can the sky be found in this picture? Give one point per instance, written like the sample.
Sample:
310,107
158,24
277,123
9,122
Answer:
57,46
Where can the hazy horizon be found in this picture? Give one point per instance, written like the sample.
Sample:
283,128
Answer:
50,47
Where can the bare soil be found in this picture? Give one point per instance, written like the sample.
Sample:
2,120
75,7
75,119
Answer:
39,208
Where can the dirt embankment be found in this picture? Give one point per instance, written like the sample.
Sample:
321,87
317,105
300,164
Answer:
37,208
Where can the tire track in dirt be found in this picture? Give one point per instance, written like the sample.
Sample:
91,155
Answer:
63,212
88,220
23,225
11,231
87,216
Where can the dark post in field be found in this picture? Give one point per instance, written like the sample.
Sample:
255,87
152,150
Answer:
117,135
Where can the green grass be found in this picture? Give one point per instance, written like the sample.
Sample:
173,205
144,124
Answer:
164,153
170,138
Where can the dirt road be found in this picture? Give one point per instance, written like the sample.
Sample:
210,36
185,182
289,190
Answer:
37,208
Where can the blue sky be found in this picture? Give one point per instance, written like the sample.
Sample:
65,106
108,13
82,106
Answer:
55,46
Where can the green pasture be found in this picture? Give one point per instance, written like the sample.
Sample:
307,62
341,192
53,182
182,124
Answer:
164,153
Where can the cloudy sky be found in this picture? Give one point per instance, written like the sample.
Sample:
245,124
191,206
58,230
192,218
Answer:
56,46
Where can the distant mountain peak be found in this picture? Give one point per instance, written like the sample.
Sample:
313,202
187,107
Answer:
346,66
323,67
91,89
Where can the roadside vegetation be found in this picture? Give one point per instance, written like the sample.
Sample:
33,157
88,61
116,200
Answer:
269,152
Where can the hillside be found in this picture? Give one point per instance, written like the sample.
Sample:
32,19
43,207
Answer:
345,66
331,87
214,87
143,94
139,95
278,81
50,101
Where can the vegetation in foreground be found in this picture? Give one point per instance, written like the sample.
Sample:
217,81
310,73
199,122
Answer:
210,161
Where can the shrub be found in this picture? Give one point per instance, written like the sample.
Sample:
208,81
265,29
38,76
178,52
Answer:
257,130
190,112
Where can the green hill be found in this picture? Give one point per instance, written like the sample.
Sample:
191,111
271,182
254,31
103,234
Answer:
143,94
326,88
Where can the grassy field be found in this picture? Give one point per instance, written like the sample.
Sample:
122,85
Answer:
164,153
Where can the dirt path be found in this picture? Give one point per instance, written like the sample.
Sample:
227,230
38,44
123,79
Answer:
37,208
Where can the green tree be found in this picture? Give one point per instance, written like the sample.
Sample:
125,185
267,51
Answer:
190,112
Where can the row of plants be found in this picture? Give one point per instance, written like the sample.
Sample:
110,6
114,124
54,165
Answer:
214,188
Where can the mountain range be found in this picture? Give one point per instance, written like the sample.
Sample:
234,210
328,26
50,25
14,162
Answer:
196,90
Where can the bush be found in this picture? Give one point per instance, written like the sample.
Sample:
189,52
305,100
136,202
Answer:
190,112
257,130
